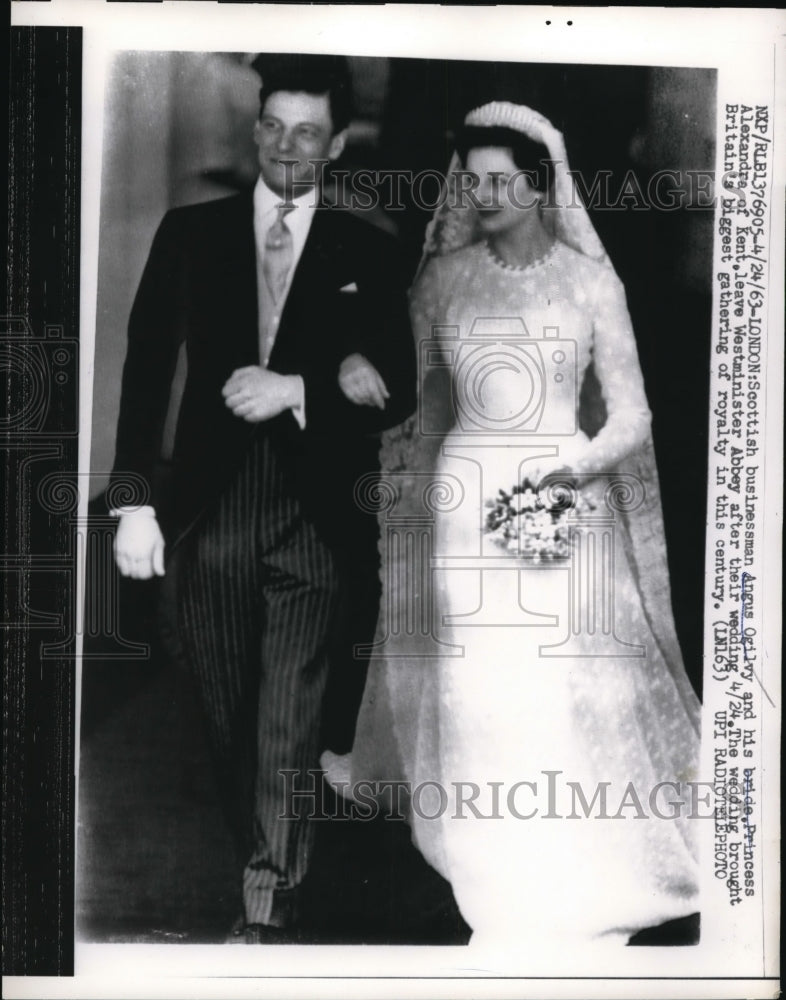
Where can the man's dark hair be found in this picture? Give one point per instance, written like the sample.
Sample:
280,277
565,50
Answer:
310,74
527,154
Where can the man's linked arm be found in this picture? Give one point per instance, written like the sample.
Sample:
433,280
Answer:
384,339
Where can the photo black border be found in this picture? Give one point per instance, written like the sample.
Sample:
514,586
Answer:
40,454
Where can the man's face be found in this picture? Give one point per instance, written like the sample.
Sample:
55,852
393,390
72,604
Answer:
295,126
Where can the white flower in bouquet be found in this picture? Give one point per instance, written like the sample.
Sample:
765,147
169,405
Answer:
528,499
520,522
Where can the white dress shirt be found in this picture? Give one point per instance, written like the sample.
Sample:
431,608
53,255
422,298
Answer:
298,221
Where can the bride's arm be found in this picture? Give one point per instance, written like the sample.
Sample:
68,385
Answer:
618,371
425,299
428,302
412,445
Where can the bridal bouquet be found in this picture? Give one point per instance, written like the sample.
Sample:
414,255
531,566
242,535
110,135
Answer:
521,522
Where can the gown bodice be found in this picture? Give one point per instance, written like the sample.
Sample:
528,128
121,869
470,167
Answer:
518,343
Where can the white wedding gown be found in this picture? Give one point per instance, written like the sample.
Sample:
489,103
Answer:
550,674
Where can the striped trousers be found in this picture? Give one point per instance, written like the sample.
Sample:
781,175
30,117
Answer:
256,606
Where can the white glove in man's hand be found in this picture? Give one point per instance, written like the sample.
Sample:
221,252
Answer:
139,545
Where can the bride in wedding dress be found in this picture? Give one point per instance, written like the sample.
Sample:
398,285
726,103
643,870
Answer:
530,691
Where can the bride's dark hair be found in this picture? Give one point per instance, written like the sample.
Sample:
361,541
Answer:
527,154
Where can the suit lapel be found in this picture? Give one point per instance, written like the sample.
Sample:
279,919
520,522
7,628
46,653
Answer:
315,277
236,267
316,272
319,252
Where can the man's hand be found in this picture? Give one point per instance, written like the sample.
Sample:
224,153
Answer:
139,546
256,394
361,383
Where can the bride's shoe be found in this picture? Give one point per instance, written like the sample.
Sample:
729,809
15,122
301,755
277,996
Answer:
338,773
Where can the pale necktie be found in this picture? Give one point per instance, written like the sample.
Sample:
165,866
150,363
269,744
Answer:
277,261
275,264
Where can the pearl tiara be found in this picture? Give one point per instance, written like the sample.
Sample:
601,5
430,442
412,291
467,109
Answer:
504,114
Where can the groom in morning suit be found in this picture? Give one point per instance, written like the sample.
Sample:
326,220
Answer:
299,353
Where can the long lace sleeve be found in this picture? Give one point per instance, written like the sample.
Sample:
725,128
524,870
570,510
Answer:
619,374
406,447
424,300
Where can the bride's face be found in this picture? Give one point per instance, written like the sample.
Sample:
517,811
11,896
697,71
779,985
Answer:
503,189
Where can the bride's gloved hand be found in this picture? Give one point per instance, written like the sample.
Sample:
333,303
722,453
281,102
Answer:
558,487
538,470
561,474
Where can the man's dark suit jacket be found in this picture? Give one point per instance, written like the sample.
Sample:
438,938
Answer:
348,294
